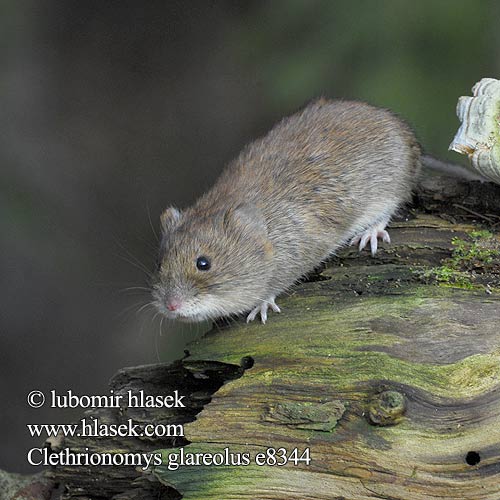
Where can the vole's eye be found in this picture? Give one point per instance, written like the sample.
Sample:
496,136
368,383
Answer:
203,263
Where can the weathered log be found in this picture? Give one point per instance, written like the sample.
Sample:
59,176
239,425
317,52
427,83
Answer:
387,369
25,487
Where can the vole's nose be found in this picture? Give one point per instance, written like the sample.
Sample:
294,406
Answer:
173,304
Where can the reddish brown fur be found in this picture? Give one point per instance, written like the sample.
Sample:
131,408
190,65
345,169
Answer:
286,203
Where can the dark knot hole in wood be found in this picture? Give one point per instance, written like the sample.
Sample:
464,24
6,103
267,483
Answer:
472,458
247,362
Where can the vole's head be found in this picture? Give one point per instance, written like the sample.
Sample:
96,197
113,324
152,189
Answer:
212,265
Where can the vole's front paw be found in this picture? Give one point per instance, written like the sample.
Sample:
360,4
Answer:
371,235
262,309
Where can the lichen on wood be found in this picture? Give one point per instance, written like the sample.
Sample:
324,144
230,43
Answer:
414,366
389,377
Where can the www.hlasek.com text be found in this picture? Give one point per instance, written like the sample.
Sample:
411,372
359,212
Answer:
91,427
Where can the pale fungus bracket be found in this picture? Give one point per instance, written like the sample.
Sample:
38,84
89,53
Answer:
479,134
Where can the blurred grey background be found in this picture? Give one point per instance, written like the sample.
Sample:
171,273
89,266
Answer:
113,110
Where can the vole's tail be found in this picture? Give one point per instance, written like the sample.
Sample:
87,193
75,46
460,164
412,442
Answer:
451,169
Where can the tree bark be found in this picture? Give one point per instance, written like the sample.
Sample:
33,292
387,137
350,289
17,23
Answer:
387,369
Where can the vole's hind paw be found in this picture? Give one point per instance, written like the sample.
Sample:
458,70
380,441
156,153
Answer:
372,235
262,310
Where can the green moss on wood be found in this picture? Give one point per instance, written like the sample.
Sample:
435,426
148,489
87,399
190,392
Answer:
388,381
342,344
480,252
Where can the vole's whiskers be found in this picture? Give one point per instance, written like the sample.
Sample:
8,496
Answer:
129,308
155,315
151,224
133,260
148,304
140,289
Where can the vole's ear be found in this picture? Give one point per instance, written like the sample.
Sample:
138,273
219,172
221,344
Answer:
170,219
246,216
